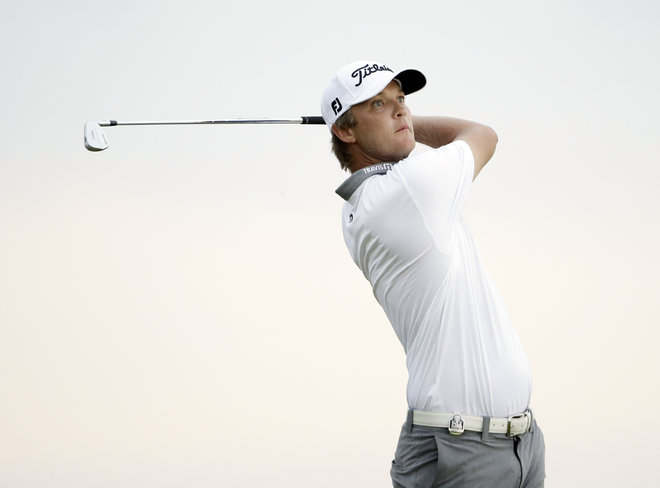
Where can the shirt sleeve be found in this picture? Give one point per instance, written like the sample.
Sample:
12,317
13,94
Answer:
439,182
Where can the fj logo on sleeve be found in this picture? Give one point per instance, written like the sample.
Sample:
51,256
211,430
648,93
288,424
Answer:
336,106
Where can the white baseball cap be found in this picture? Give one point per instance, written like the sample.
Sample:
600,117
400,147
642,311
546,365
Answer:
361,80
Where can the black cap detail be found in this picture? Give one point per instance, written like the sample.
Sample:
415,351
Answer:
411,80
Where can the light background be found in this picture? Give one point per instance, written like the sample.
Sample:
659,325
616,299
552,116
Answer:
180,309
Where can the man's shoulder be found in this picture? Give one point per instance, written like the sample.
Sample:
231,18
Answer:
454,151
427,164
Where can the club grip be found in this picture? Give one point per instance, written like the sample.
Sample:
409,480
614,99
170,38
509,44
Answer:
312,119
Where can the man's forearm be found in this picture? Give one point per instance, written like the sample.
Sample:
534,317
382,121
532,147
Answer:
437,131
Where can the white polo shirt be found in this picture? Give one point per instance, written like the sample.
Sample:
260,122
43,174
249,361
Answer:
403,229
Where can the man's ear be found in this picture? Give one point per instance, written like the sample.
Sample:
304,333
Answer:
345,135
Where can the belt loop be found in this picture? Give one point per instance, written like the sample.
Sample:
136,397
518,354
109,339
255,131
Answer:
485,429
409,420
531,420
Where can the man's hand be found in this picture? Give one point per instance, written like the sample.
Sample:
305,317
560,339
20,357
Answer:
439,131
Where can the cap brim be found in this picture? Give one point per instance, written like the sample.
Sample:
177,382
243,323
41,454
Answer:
411,80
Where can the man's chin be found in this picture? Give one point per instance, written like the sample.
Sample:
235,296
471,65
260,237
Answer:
406,152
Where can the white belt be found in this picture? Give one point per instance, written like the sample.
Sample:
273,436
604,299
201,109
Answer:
457,423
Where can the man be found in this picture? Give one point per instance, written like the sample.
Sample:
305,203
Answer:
469,381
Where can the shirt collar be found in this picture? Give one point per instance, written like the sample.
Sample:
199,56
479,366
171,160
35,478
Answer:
353,182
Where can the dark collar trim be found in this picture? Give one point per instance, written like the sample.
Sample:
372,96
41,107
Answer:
353,182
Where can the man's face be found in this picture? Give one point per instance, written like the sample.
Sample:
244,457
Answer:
384,131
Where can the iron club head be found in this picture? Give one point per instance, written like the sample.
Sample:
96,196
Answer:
95,139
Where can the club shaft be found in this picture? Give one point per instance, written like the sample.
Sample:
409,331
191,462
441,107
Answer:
310,119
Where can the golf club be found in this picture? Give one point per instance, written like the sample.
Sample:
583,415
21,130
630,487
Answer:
96,140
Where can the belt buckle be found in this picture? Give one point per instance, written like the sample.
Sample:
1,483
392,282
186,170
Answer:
456,425
509,428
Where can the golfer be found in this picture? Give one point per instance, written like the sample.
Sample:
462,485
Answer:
469,386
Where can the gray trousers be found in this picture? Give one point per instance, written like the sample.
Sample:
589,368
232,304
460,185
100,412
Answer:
429,457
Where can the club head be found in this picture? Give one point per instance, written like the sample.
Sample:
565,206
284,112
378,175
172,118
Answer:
95,139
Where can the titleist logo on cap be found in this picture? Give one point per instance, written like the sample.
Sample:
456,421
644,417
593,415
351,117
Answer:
366,70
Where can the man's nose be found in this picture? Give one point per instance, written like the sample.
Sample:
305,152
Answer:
400,109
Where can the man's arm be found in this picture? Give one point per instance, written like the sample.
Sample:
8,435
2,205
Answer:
438,131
